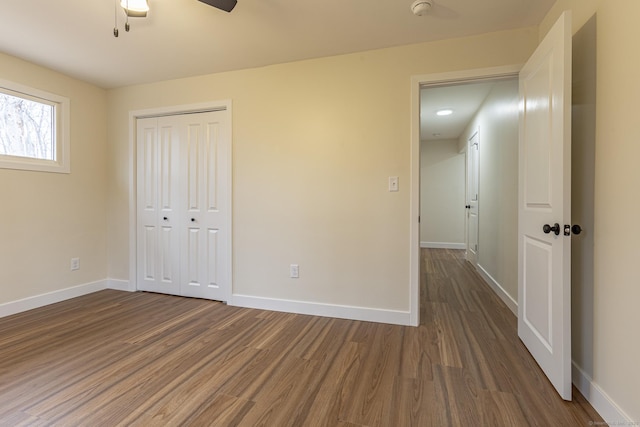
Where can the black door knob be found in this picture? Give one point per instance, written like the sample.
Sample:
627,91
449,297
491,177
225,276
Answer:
576,229
193,220
548,229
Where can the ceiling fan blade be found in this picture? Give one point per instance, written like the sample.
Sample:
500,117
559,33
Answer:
226,5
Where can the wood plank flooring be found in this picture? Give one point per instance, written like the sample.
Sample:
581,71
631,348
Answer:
138,359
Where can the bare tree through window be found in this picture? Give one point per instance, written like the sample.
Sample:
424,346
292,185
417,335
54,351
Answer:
26,128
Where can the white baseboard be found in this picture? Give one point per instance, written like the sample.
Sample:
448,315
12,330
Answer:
442,245
326,310
291,306
120,285
29,303
600,401
499,290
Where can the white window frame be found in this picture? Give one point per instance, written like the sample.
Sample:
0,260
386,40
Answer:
62,164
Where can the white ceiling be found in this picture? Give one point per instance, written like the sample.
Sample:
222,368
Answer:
182,38
463,99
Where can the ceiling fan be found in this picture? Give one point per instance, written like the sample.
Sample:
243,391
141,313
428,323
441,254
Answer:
226,5
139,9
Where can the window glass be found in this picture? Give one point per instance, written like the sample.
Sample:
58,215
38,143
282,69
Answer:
33,129
26,128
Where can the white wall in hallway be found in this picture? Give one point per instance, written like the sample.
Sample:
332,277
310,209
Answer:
497,121
442,189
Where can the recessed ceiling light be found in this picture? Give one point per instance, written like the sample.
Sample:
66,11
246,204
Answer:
445,112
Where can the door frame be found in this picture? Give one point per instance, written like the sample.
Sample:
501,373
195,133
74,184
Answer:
134,115
468,175
417,82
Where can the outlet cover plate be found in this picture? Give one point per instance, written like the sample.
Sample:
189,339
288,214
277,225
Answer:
294,271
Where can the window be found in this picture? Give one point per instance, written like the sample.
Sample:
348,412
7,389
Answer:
34,130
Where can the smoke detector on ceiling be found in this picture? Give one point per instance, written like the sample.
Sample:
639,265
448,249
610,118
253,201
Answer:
421,7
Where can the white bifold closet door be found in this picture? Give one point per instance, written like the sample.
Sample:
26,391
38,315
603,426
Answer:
183,191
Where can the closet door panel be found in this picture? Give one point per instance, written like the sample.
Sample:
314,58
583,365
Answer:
204,212
158,263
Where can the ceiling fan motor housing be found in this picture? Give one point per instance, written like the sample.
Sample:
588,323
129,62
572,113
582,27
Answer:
421,7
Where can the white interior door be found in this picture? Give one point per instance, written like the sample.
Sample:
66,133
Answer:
206,227
544,256
158,200
472,198
184,205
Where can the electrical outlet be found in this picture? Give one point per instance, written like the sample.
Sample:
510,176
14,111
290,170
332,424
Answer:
75,264
294,271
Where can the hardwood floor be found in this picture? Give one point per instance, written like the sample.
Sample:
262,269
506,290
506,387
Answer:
117,358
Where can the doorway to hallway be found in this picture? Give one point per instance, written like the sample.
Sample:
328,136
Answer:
469,175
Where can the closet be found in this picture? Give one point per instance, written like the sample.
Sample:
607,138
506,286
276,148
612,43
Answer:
184,205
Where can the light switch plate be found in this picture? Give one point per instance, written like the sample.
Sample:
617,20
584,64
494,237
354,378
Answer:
393,183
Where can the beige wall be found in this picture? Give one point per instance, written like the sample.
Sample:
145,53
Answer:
616,284
314,143
497,126
442,187
48,218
